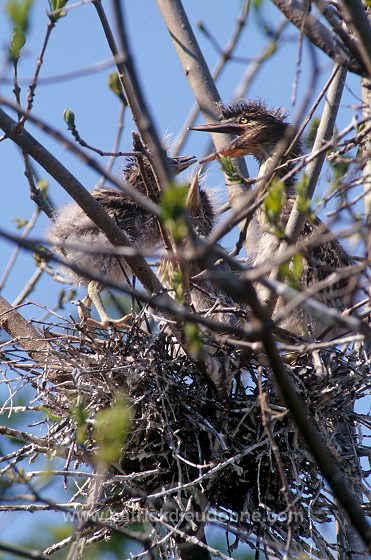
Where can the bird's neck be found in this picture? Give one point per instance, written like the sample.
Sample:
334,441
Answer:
267,157
262,244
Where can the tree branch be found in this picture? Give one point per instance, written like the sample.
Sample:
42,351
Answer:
360,25
20,329
318,34
297,218
366,97
130,83
22,553
201,82
225,55
245,293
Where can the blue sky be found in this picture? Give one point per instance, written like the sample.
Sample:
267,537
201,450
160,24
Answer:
78,41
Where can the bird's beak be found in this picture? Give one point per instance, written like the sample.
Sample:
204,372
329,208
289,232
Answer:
182,163
221,127
230,150
193,200
236,148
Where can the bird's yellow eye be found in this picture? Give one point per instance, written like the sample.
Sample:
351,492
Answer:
243,120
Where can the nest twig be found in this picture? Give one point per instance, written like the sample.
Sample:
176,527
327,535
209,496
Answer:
241,457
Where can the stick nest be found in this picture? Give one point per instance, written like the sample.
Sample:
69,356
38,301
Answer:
243,454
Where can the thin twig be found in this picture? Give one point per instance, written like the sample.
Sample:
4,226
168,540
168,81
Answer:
201,82
39,63
324,133
319,34
245,292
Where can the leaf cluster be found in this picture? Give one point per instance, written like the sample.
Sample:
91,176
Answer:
230,170
19,12
173,211
110,431
291,271
56,7
273,204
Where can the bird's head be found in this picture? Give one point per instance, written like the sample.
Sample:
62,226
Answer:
181,163
133,173
257,129
200,208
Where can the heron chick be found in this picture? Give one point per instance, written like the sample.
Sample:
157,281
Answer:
204,297
259,132
74,228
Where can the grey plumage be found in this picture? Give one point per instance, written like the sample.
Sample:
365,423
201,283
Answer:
74,227
259,131
71,226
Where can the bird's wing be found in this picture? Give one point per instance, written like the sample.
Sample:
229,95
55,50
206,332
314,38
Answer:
324,259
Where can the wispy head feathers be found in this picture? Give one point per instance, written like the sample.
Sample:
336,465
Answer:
253,109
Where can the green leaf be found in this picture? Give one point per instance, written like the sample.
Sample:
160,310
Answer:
284,270
229,169
65,297
291,271
312,133
297,266
42,254
177,285
55,6
69,118
111,430
114,83
61,298
194,338
274,201
257,4
17,43
20,223
19,11
80,415
271,51
200,25
340,168
43,186
303,201
173,203
50,415
173,210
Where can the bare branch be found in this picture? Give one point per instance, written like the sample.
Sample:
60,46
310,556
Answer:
20,329
324,133
135,98
338,25
360,25
366,97
244,292
21,552
224,56
200,80
320,35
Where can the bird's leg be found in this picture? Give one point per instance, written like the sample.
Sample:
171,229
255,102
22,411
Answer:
94,290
